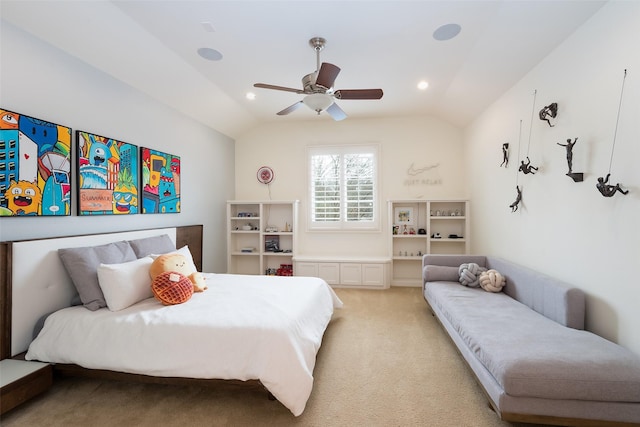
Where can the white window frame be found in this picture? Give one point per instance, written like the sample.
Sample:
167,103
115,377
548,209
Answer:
343,224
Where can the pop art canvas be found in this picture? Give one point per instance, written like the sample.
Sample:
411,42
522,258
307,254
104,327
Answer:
108,182
160,182
35,166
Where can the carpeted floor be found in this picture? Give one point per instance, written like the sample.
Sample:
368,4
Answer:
384,361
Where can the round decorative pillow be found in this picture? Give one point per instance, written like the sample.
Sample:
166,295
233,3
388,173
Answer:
470,274
492,281
172,288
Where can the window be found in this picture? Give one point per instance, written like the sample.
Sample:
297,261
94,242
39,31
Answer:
343,187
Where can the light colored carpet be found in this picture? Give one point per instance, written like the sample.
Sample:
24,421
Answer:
384,361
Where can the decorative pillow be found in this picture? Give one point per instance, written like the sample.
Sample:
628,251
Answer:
82,265
172,288
470,274
437,273
492,281
152,245
125,284
184,251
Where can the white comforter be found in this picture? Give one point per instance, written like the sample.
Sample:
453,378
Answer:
243,327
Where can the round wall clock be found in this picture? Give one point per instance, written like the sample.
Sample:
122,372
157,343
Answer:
265,174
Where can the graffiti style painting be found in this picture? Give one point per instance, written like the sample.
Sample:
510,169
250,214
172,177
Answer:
160,182
35,166
107,176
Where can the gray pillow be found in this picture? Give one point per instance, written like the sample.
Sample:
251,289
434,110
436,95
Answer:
82,265
439,273
152,245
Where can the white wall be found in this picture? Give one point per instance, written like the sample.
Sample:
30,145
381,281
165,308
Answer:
403,141
43,82
566,229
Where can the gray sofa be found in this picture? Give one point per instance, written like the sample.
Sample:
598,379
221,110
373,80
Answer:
527,347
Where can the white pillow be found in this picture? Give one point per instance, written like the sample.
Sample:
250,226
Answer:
125,284
185,252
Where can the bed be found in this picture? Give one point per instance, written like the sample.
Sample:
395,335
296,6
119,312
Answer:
242,328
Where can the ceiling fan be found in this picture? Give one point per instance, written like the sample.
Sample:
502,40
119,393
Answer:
318,88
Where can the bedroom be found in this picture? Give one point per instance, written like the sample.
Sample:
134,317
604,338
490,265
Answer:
564,228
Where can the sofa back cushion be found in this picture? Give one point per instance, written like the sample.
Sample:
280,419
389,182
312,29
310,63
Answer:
548,296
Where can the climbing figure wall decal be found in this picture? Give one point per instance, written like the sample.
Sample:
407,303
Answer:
608,190
576,176
505,155
550,111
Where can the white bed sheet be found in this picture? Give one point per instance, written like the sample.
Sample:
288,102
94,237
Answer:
243,327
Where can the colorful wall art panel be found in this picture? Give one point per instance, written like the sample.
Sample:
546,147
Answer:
160,182
35,166
108,182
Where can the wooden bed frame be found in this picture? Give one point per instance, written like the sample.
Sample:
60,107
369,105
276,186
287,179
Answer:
190,235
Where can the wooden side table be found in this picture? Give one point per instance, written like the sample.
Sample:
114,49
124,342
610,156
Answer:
21,380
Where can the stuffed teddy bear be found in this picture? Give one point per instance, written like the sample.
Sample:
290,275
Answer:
177,263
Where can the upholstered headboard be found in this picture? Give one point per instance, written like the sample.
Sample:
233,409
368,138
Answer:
34,282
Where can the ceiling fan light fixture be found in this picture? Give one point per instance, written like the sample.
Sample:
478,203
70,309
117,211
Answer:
318,101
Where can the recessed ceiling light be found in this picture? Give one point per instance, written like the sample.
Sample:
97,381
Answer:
251,95
208,27
423,84
447,32
209,54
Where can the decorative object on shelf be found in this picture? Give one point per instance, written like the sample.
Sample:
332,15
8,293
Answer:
247,227
160,182
576,176
265,175
395,229
422,231
550,111
108,175
404,216
436,236
505,155
35,166
514,205
271,229
272,244
608,190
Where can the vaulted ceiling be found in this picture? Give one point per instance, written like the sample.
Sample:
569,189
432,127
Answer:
153,47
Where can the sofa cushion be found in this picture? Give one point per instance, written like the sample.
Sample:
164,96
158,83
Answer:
436,273
530,355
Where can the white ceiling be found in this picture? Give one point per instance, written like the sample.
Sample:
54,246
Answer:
152,46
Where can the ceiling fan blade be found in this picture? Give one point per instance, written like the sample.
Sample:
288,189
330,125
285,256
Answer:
290,109
336,112
287,89
327,75
358,94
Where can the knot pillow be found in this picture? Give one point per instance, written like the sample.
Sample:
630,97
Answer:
470,274
492,281
172,288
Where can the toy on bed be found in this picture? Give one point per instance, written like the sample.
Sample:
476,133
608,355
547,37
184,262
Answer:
172,281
